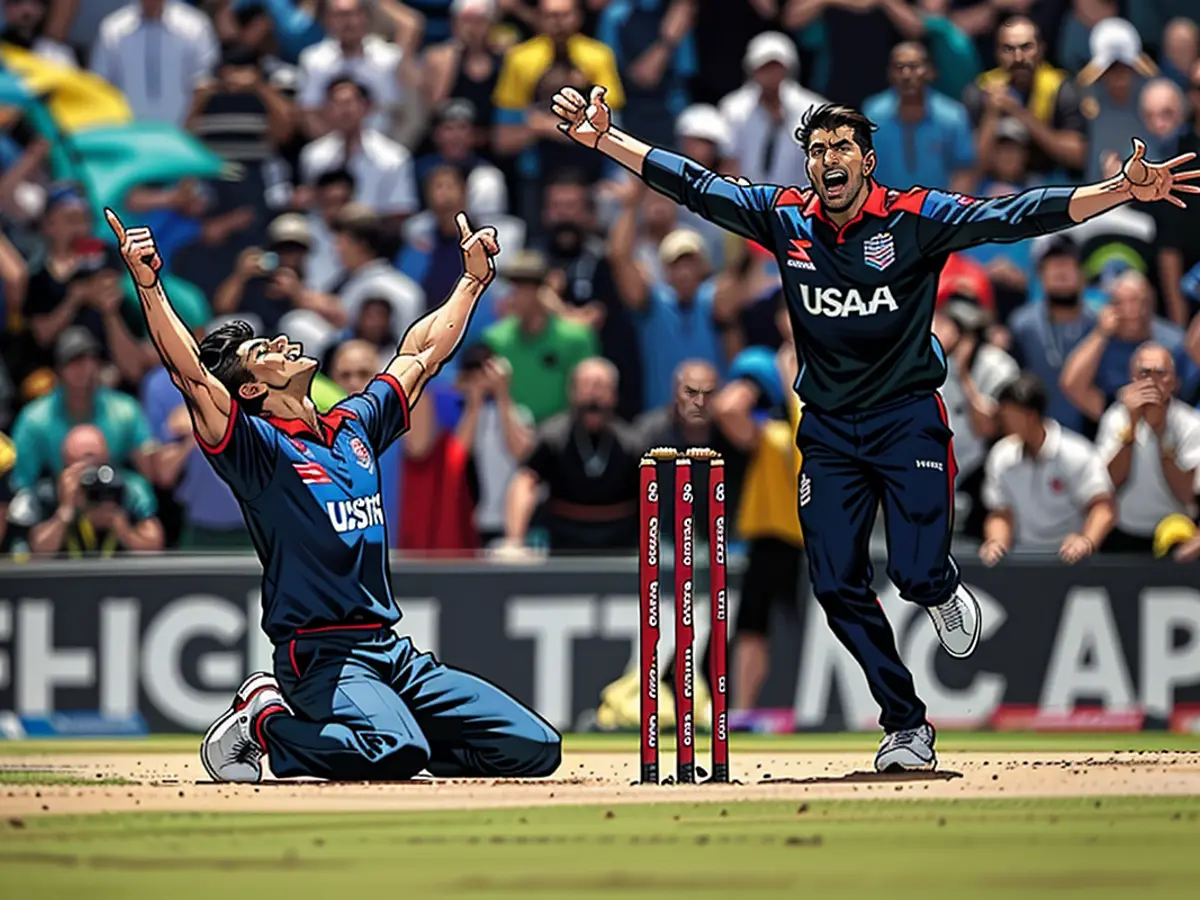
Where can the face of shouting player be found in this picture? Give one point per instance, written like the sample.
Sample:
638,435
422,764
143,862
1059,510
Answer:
277,364
837,168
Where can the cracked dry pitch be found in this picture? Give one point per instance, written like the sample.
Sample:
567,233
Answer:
176,782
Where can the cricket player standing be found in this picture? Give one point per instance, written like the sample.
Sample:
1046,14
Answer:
860,266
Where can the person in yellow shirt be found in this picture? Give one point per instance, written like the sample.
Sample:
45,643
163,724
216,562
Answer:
759,411
523,118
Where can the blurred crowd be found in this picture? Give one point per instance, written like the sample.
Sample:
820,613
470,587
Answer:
349,133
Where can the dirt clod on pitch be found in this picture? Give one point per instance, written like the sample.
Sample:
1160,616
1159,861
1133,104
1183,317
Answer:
155,782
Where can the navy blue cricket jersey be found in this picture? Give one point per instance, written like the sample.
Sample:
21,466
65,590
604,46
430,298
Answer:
313,505
861,297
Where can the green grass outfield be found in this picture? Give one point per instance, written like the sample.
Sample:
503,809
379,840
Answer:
948,741
1129,847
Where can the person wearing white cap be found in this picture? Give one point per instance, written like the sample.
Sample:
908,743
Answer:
762,114
1111,84
860,265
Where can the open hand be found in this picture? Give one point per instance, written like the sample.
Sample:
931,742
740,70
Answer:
1148,182
992,552
479,250
584,121
138,250
1074,548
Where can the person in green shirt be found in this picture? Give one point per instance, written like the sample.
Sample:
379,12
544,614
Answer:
79,399
541,346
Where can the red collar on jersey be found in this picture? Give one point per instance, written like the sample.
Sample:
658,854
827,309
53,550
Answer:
881,202
330,422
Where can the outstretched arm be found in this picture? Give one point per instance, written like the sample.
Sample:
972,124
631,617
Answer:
737,206
951,222
207,399
432,340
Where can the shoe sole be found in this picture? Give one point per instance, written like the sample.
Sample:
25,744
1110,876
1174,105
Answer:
974,637
898,768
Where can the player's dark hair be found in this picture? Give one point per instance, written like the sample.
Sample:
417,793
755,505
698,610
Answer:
363,90
1026,391
336,176
218,354
832,116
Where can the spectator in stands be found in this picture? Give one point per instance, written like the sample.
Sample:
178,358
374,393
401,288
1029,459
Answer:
496,431
382,169
1179,229
1111,83
432,240
92,508
523,116
1046,488
375,326
581,274
540,345
924,137
652,42
466,67
157,52
677,318
1042,98
211,517
831,26
1180,50
759,412
762,113
354,363
1151,444
454,145
686,420
79,399
25,27
587,460
242,118
267,285
1045,333
952,53
976,371
1161,108
1099,366
332,190
352,53
358,234
702,134
78,283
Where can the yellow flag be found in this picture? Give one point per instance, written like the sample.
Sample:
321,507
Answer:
77,99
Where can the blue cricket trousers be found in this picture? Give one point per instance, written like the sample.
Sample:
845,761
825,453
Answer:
366,706
900,455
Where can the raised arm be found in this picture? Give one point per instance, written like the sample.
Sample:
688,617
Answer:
738,206
951,222
433,339
207,399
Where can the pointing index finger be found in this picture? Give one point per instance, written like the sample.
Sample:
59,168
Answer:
464,227
115,224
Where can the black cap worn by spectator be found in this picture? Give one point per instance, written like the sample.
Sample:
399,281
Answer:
74,343
526,266
1058,245
239,55
290,228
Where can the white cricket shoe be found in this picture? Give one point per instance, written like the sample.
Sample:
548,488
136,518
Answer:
910,750
958,622
231,750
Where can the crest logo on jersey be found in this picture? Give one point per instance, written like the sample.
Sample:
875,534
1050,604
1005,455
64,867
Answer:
312,473
361,453
798,257
879,251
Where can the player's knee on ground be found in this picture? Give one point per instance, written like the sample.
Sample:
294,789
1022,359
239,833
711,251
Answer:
537,753
384,756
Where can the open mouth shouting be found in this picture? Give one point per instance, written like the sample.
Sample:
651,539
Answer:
836,182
